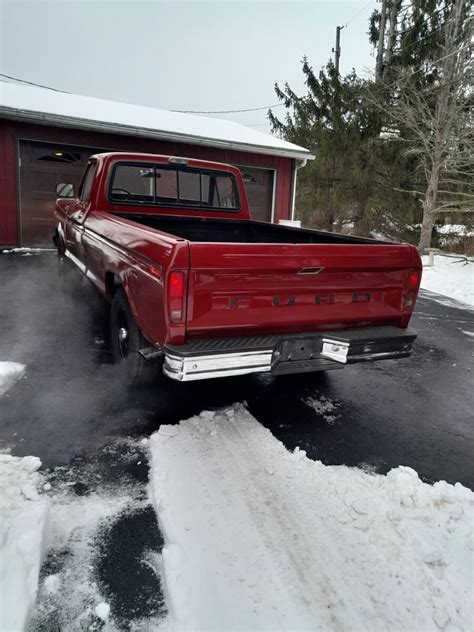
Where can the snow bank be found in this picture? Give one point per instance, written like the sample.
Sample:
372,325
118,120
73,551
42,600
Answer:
9,373
23,516
260,538
455,229
450,276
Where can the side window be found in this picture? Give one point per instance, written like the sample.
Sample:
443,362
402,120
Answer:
86,187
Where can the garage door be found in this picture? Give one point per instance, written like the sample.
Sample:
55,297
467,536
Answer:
42,166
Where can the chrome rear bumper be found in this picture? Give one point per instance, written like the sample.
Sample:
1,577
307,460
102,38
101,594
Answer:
217,365
283,354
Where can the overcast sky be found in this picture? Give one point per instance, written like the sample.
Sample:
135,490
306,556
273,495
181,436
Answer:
176,54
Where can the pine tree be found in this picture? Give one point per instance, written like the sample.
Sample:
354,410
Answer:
357,179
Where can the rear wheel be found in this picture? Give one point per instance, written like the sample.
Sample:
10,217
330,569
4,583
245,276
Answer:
127,341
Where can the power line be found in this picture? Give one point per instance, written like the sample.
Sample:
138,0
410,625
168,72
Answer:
264,107
40,85
32,83
358,13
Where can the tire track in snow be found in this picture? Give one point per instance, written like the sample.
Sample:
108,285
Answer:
268,505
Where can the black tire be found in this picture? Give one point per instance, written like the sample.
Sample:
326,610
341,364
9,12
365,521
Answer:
127,340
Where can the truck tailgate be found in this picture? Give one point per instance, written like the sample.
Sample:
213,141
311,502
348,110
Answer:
242,289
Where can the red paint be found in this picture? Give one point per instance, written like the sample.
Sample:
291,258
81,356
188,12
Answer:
180,289
12,131
8,186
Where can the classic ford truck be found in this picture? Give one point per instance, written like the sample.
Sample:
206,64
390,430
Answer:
199,290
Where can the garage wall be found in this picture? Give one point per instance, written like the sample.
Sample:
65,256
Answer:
11,132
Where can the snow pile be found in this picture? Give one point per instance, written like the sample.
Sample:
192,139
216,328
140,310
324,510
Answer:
260,538
23,516
450,276
9,373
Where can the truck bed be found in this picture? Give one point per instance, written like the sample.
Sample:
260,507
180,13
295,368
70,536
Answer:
196,229
259,278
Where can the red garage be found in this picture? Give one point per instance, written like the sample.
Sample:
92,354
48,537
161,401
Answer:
47,136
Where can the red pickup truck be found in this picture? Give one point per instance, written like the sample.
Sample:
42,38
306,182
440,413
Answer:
199,290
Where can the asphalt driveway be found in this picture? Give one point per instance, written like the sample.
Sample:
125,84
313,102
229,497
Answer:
72,401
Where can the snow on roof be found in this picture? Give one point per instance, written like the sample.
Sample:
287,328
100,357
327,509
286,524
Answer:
73,110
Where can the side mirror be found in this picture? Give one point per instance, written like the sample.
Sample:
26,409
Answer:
65,190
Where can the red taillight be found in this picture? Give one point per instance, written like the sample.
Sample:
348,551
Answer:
176,296
414,279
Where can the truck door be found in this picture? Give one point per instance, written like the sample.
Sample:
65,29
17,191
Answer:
74,228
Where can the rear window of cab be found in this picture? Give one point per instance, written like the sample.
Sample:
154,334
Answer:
169,185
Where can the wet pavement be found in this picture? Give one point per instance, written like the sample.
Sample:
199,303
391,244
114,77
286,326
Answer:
72,401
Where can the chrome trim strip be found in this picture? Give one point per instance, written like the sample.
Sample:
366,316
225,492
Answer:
382,354
308,271
216,365
75,260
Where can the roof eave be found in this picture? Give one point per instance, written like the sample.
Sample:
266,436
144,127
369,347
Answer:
116,128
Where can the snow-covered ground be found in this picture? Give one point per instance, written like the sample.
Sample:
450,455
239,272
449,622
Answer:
258,538
70,594
23,520
450,276
455,229
9,373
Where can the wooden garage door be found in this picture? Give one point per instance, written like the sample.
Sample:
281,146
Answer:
42,165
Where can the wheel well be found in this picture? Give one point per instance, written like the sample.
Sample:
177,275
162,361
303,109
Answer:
112,283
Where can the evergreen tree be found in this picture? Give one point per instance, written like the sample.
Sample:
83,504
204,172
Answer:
358,177
394,152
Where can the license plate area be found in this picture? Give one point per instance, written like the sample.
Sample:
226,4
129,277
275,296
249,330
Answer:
335,350
299,349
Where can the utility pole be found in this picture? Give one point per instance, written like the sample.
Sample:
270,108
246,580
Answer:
381,43
337,49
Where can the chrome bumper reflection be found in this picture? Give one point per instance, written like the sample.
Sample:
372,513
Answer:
335,350
217,365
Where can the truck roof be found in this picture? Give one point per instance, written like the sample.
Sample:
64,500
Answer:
126,156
